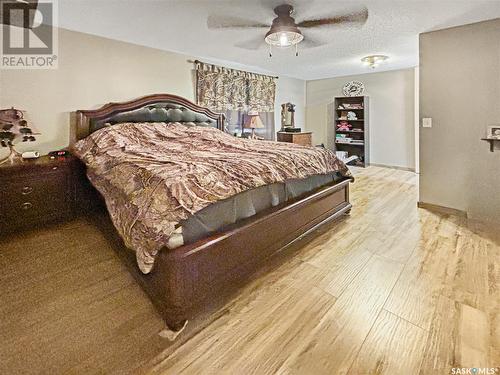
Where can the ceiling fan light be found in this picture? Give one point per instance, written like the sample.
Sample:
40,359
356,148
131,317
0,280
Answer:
283,38
374,61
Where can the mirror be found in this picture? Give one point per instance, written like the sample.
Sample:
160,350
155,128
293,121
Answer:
287,115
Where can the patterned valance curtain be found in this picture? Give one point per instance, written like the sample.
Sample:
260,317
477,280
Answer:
222,89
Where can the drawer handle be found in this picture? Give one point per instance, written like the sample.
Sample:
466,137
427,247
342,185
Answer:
26,190
26,206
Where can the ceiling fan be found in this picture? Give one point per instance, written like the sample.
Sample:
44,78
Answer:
284,31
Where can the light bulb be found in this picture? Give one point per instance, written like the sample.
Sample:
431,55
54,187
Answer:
283,39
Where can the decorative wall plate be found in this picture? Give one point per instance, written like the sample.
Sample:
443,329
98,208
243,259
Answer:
353,88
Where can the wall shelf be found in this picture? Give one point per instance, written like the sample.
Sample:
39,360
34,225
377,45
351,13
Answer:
492,142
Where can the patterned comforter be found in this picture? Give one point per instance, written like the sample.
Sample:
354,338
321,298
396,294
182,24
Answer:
154,175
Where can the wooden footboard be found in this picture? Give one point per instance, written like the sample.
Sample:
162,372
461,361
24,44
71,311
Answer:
193,278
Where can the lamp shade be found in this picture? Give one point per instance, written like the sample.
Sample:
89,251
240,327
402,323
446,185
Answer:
253,121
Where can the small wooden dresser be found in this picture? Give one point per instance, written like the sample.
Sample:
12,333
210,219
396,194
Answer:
34,192
303,138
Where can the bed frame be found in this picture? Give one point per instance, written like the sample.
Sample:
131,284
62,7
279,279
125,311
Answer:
191,279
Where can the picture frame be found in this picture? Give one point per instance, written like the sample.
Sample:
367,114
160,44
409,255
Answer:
494,131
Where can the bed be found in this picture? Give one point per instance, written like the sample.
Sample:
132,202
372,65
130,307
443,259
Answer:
238,207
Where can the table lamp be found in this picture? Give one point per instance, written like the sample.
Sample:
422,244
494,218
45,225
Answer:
253,121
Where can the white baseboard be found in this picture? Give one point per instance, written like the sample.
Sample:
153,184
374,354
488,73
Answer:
442,209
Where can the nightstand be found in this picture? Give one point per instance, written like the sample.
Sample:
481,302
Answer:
35,192
303,138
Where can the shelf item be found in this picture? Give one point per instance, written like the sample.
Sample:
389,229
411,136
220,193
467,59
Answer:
350,143
350,131
349,159
353,135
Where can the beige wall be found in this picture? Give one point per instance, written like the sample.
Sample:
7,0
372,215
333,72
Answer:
392,109
93,71
460,91
294,91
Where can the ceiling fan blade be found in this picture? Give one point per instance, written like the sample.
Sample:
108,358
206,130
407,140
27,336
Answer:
310,42
355,18
228,22
251,44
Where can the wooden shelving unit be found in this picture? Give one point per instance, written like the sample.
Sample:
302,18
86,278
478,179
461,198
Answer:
358,134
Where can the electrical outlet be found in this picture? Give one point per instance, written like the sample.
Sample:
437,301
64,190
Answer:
427,122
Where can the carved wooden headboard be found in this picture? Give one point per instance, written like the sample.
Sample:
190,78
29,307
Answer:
150,108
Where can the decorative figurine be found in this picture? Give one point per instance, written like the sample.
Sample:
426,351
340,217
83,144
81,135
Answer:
351,115
14,129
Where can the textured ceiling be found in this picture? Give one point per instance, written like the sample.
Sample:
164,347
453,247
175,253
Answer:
181,25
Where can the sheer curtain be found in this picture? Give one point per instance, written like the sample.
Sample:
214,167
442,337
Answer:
235,93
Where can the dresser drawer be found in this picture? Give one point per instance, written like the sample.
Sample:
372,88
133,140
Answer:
31,208
303,139
36,192
45,186
25,198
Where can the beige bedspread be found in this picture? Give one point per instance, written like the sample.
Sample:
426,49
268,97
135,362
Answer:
154,175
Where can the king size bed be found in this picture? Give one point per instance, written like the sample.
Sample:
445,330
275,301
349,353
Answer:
200,210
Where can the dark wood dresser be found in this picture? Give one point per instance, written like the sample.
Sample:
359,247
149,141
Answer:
303,138
35,192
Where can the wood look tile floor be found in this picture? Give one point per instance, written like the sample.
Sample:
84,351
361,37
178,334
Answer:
391,289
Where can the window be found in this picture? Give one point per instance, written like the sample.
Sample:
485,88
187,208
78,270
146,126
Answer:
235,120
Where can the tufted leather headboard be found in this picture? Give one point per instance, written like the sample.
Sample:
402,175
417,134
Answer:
151,108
